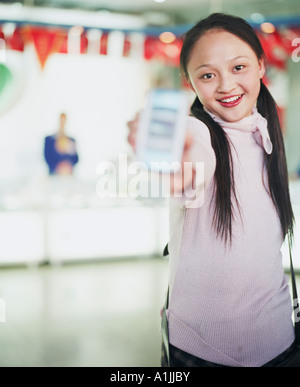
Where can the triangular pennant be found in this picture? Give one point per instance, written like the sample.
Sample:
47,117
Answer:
46,42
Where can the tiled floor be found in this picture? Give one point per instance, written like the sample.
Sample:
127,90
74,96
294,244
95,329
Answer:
96,314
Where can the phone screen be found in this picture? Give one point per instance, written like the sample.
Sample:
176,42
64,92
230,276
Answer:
163,120
161,130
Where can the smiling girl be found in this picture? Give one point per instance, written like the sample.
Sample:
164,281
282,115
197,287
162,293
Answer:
229,301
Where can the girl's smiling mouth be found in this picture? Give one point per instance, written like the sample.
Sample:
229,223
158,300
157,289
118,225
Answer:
230,101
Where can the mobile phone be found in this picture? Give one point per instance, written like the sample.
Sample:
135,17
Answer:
161,129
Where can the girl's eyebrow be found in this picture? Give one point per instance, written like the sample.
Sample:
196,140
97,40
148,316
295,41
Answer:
230,60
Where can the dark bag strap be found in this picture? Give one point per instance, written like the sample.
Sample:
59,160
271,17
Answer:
295,295
166,250
164,322
165,330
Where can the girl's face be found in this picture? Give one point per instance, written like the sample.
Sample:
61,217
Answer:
225,74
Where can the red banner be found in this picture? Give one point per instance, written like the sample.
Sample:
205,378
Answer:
277,45
168,53
46,42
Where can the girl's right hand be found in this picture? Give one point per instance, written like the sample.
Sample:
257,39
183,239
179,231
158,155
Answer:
180,180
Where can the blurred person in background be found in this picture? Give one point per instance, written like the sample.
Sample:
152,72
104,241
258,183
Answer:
60,150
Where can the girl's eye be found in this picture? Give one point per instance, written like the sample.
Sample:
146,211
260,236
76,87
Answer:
239,67
207,76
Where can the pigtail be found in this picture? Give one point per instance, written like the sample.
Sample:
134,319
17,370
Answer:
276,162
223,177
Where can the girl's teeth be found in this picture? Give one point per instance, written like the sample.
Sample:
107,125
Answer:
230,99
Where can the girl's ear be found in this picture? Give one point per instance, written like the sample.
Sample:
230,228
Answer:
262,68
189,83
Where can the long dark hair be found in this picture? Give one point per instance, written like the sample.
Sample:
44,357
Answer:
275,162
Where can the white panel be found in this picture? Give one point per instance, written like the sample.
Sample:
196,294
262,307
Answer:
21,237
107,232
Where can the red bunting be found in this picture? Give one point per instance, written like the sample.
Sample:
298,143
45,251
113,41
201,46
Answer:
16,41
277,45
83,43
46,42
64,45
169,53
127,47
103,44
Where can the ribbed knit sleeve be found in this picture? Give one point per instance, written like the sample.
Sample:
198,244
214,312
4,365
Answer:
203,160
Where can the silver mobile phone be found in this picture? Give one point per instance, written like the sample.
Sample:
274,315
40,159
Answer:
161,129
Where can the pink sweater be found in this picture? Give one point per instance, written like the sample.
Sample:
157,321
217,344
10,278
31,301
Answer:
230,305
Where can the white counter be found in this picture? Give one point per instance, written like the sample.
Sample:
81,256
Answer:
60,220
79,226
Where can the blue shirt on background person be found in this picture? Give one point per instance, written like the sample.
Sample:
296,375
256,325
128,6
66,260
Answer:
60,151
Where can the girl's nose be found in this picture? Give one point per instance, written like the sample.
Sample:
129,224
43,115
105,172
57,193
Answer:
226,85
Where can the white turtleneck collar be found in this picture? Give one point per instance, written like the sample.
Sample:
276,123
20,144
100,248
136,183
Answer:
255,123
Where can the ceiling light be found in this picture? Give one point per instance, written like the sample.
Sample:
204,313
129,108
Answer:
167,37
159,1
268,28
257,17
76,31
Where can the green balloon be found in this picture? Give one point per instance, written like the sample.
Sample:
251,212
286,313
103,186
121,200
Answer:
5,77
